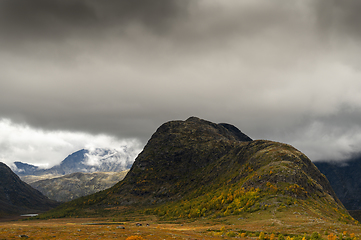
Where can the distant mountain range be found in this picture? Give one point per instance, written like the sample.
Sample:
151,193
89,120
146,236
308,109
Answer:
98,160
81,173
17,197
196,168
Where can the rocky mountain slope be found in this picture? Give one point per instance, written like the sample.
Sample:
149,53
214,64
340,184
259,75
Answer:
18,197
197,168
97,160
75,185
345,179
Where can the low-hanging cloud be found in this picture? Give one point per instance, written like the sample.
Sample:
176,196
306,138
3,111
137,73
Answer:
282,70
104,159
19,142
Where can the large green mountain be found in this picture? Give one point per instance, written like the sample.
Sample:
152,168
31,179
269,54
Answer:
17,197
198,168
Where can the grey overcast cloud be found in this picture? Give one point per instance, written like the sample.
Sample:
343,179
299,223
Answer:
80,73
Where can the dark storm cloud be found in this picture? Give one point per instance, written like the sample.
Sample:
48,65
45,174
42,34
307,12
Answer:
57,19
41,19
280,70
339,17
156,15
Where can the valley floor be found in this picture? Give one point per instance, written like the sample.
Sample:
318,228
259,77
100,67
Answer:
221,228
76,228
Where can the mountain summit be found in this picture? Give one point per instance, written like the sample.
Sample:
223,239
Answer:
198,168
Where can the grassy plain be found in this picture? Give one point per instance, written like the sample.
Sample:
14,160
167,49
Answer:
295,225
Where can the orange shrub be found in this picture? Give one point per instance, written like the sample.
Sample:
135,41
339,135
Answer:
331,236
134,238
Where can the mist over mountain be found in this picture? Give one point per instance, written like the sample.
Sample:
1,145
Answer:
81,173
85,160
22,169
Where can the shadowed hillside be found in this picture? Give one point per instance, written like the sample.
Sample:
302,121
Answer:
345,179
18,197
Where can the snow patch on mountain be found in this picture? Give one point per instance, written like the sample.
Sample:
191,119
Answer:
109,159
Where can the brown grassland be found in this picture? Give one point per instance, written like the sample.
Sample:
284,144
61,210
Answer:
258,225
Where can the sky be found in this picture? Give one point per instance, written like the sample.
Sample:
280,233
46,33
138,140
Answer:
78,73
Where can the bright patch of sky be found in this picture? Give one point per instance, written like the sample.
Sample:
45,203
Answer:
19,142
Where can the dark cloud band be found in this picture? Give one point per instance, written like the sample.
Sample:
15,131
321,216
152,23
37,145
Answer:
275,69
